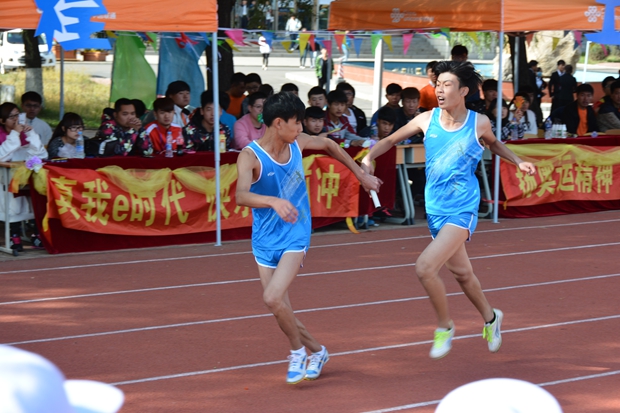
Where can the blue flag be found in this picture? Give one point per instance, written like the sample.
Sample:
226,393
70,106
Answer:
178,60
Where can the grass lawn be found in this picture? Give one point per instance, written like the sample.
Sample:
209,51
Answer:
82,95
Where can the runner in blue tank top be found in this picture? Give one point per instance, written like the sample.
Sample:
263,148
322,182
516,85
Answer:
271,181
454,139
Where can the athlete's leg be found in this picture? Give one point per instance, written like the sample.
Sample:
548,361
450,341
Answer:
460,266
447,242
306,338
275,285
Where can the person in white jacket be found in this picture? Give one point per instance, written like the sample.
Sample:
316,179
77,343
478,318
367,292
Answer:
264,49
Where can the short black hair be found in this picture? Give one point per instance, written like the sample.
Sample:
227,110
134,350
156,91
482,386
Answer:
393,88
464,71
345,87
254,97
430,65
122,102
336,96
176,87
387,114
224,100
237,78
283,105
584,88
489,84
163,104
314,112
410,93
139,106
317,90
615,85
532,63
459,50
561,62
604,83
289,87
32,97
207,97
253,78
266,88
69,119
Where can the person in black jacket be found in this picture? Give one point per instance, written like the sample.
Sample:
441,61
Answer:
356,116
581,108
554,85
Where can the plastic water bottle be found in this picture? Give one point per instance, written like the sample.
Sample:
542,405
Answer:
548,127
374,131
594,134
223,141
514,132
79,146
563,131
169,153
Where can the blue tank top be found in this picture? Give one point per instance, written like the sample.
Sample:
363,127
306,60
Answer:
286,181
451,161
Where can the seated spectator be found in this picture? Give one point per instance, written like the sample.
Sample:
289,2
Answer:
157,131
317,96
62,144
266,89
141,111
236,92
606,83
199,134
179,92
338,126
225,117
32,103
579,116
18,142
428,99
410,109
253,82
530,92
314,121
386,120
506,126
355,116
609,112
489,91
528,120
459,53
392,94
290,87
124,126
250,127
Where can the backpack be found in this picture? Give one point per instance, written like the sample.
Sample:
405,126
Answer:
101,147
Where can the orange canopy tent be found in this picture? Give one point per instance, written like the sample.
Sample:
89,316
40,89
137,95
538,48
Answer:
470,15
128,15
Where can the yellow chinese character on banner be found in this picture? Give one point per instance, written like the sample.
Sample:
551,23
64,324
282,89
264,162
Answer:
171,197
141,205
66,195
567,180
545,172
330,185
527,183
245,211
583,180
604,178
224,199
95,205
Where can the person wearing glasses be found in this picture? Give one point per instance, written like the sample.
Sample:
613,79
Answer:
32,103
18,142
62,144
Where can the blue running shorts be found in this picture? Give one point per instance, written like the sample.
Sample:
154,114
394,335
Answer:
271,258
465,220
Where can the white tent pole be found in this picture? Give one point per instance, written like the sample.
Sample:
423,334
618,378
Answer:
516,68
498,123
585,65
61,113
377,76
216,137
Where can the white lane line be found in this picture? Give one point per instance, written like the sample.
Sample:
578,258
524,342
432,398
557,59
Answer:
551,383
366,350
383,267
69,267
308,310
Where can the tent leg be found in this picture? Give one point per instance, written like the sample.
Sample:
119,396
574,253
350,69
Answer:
61,113
378,76
498,131
216,138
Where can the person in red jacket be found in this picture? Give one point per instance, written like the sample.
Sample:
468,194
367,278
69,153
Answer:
157,131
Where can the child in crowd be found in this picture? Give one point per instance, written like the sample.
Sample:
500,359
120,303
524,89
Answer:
338,126
356,116
199,134
507,126
157,131
522,102
393,95
317,96
62,144
314,121
32,103
290,87
386,120
236,92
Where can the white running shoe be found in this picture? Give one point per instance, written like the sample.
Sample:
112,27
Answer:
492,332
296,368
442,343
316,361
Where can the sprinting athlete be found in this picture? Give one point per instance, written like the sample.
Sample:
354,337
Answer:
271,181
454,139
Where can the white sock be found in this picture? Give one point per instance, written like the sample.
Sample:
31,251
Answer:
300,352
321,351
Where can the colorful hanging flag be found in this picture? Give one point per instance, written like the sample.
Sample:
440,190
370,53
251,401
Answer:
445,31
207,38
303,42
374,40
474,37
268,38
578,36
407,37
311,41
528,38
132,76
357,43
387,38
287,45
554,42
339,37
231,44
328,46
604,49
236,35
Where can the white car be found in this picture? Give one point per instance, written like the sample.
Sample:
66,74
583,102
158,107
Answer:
13,55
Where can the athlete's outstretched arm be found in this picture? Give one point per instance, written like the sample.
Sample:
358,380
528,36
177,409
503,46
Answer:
248,168
335,151
498,148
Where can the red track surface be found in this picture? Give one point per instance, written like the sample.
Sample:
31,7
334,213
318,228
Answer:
183,329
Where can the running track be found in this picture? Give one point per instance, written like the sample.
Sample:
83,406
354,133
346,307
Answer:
183,329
